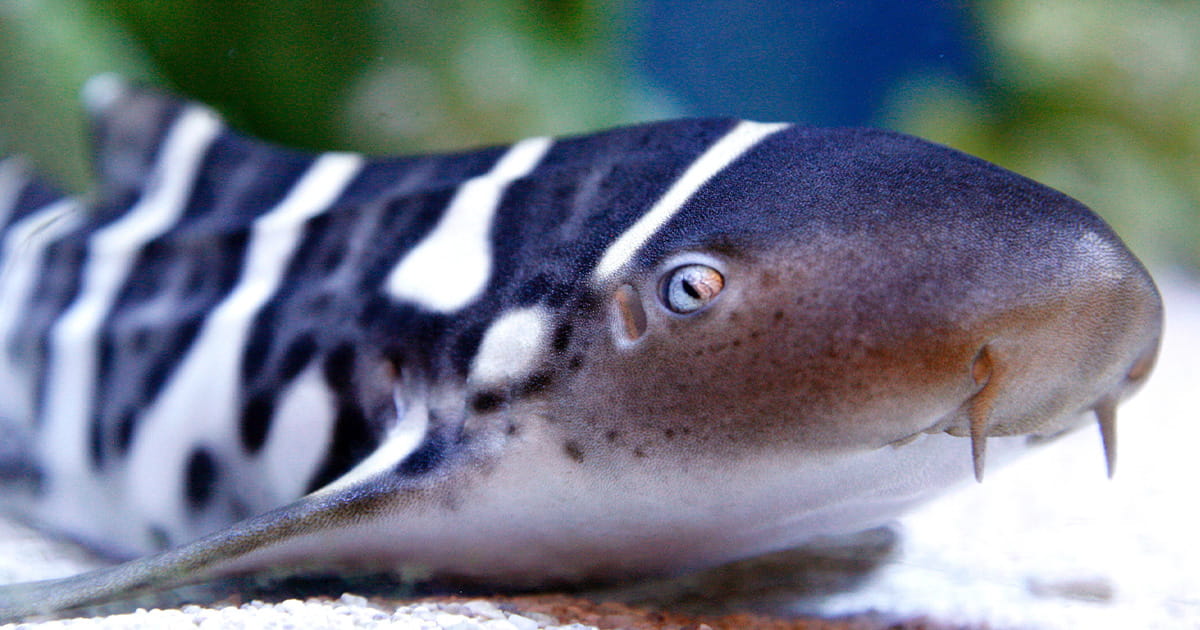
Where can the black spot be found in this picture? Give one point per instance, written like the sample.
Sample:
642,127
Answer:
96,444
254,357
197,280
18,462
124,433
25,475
156,377
139,341
612,435
297,356
255,423
574,451
562,336
639,453
485,402
428,456
159,538
200,478
575,363
319,303
512,429
339,367
669,434
331,258
534,384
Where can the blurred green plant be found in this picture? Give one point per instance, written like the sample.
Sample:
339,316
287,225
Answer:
47,48
1098,98
380,76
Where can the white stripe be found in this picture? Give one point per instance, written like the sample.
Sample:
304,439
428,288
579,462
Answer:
23,249
452,265
402,439
71,377
721,154
299,440
276,235
200,403
13,178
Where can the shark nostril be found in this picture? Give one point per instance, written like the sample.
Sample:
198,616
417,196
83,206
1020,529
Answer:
981,367
1142,366
631,315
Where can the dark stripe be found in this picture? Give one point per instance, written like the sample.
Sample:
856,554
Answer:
18,466
127,140
353,440
319,309
179,278
552,227
58,284
33,196
316,297
428,456
127,143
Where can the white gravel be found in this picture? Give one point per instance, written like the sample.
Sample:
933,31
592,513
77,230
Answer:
349,611
1047,543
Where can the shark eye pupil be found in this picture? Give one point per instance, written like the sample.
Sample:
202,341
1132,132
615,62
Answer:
690,288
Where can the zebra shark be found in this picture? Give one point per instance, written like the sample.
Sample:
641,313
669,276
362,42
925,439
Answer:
641,351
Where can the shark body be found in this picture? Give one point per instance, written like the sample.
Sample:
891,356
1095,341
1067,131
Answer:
636,352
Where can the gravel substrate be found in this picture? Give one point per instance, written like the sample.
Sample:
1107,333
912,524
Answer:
348,611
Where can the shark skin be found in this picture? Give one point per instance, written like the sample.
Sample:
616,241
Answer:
567,361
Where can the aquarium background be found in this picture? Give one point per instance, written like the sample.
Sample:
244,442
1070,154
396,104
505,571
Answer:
1099,98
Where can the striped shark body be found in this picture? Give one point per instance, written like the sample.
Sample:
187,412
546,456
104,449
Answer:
636,352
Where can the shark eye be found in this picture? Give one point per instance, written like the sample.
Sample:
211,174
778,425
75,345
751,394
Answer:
690,288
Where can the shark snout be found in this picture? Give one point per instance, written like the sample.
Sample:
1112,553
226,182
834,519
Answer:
1061,352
